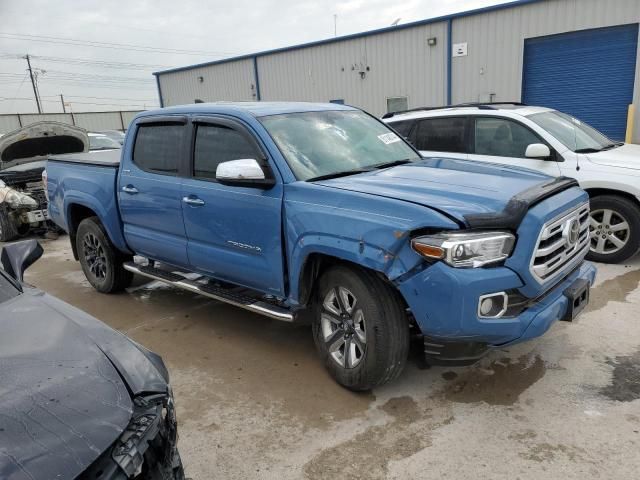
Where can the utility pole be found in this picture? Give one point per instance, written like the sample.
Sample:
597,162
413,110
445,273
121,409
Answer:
335,24
33,83
64,110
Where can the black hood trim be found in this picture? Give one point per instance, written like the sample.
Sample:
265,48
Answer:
515,210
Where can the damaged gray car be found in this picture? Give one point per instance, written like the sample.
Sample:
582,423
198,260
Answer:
23,155
78,400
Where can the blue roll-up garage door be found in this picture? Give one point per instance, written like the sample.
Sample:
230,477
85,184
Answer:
588,74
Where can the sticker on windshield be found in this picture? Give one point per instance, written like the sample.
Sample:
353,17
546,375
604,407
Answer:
388,138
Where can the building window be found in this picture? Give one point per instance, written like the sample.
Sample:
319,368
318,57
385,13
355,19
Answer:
397,104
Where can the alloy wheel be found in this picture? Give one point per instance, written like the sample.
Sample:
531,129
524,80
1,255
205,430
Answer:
609,231
343,327
95,256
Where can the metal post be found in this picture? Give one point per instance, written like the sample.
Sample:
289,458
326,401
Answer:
33,83
64,110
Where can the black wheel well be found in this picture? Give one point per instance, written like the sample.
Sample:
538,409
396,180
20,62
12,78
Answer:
77,213
596,192
316,264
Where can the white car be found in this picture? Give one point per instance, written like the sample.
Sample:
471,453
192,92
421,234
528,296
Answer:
548,141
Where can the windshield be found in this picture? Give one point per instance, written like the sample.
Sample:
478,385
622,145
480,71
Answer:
102,142
572,133
332,143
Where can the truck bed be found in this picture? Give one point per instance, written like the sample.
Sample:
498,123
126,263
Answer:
100,158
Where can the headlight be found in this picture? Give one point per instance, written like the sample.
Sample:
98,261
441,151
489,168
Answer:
17,200
465,250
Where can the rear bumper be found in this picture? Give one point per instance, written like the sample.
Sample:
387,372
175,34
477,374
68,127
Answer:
444,302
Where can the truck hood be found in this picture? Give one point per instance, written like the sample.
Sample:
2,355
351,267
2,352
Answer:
458,188
626,156
66,387
40,139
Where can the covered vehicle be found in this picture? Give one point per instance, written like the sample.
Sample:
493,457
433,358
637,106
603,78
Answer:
23,154
77,398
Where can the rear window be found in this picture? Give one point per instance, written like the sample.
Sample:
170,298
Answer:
158,148
442,134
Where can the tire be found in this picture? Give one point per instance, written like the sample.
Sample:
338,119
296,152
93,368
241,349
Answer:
373,320
8,229
614,229
101,262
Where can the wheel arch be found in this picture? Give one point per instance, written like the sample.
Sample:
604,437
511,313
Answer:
597,192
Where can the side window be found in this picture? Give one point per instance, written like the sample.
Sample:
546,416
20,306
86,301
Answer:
216,144
442,134
158,148
403,128
502,138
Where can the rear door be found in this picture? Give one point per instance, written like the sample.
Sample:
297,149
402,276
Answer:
234,233
502,140
150,188
442,137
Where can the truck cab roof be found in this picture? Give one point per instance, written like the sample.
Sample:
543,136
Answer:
255,109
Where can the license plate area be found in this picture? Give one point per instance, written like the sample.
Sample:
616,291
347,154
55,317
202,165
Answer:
578,296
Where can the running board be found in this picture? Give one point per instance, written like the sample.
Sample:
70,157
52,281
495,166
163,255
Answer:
223,295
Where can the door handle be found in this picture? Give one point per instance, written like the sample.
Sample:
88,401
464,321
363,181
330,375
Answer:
130,189
193,201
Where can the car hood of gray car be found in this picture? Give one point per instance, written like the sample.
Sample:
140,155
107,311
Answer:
66,388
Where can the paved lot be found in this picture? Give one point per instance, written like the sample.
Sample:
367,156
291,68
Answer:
254,402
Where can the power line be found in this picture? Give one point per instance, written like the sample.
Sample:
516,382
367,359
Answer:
87,62
95,44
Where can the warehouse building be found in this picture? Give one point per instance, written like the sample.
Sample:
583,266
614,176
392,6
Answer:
579,56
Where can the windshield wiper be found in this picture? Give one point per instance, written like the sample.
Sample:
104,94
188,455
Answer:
339,174
601,149
392,164
612,145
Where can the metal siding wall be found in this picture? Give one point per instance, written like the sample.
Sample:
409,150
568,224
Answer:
401,64
496,43
231,81
94,121
8,123
28,119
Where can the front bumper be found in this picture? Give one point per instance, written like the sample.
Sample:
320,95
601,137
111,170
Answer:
444,302
147,449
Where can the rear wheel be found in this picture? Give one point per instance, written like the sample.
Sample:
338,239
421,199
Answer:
100,260
614,229
360,328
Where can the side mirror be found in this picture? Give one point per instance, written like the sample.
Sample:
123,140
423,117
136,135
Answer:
17,257
245,172
538,150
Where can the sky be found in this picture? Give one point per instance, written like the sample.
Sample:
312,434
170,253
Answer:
100,55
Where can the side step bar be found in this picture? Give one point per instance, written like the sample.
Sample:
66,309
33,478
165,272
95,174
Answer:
239,300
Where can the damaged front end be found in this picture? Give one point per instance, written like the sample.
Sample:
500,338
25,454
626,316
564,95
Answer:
23,154
147,449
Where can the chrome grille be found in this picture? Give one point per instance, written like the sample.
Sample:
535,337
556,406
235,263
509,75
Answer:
562,244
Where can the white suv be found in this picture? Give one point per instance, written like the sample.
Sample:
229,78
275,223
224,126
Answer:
548,141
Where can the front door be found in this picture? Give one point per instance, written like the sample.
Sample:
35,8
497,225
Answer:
149,192
501,140
234,233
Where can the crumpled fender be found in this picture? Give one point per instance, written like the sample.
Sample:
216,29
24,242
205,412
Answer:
364,229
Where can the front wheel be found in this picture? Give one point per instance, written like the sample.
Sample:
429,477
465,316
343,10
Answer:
614,229
360,328
100,260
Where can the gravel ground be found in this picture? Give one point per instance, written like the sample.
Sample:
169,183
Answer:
254,402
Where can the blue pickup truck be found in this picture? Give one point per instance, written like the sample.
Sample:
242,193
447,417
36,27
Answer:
321,213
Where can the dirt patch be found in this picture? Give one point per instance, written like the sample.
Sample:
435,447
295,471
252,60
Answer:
625,381
499,384
367,455
613,290
546,452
